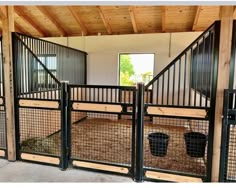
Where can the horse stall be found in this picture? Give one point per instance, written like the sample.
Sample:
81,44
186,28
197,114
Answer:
161,132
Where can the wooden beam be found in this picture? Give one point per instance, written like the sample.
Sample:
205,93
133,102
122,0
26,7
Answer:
97,107
39,103
184,112
20,12
104,19
40,158
133,18
7,28
163,18
197,14
78,20
53,20
226,16
171,177
3,12
20,29
100,167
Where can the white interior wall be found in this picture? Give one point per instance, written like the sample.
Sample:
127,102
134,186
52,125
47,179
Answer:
103,51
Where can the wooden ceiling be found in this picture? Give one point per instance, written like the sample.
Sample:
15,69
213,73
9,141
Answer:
53,21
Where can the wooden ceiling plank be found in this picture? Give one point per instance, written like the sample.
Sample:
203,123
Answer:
133,18
53,20
104,19
21,29
26,18
195,22
163,18
3,12
78,20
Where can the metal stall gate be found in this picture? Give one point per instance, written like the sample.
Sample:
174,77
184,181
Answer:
228,142
182,111
37,107
40,97
3,144
100,140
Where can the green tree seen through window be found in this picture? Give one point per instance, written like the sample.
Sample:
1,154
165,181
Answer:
126,70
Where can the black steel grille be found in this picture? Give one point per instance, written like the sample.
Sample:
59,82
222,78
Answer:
2,128
102,137
165,147
40,131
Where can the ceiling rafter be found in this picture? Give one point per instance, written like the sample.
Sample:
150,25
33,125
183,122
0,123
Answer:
104,19
163,18
3,12
78,20
53,20
196,18
19,11
20,29
133,18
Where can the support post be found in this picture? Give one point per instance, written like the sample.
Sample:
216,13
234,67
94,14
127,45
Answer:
64,126
226,17
139,133
7,27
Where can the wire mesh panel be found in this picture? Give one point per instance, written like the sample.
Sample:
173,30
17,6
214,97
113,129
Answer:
3,144
98,134
176,145
40,131
228,142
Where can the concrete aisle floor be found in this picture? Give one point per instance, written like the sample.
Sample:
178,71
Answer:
28,172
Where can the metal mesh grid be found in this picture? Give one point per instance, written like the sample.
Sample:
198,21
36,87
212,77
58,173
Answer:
40,131
102,137
167,148
2,128
231,147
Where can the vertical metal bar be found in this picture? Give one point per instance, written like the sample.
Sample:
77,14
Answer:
157,91
173,88
196,75
190,77
202,69
185,67
224,139
179,80
64,131
163,88
139,133
132,170
168,85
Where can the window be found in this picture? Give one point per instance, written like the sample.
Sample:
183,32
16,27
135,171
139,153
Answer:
41,78
135,68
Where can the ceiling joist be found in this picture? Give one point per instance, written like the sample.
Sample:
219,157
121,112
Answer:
105,21
19,11
195,22
3,12
133,18
53,20
78,20
163,18
20,29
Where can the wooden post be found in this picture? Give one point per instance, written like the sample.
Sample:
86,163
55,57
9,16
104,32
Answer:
7,28
226,16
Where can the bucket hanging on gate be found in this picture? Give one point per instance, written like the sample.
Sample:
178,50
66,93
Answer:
195,144
158,143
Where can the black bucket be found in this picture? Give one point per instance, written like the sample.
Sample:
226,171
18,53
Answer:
195,144
158,143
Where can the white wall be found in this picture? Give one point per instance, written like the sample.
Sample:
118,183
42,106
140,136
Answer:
103,51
